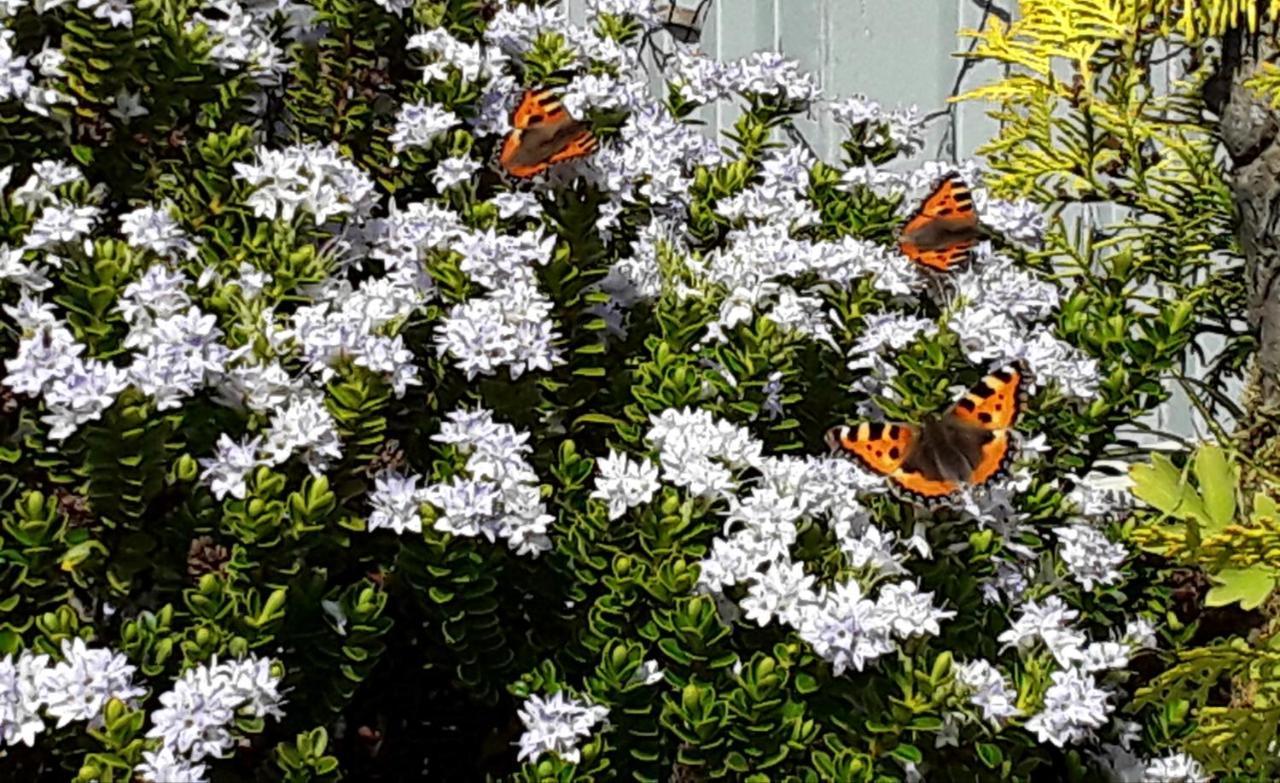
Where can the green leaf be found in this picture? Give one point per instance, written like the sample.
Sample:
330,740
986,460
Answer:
990,754
907,753
1217,479
1249,586
1162,486
1265,507
1158,484
805,683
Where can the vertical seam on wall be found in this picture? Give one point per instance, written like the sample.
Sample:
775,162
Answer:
957,126
719,105
777,26
825,73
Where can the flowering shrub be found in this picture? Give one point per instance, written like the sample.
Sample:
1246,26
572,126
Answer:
330,449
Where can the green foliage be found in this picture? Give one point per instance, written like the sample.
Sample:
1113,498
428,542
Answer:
1233,545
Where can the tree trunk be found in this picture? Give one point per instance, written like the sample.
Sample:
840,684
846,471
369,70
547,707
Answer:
1250,131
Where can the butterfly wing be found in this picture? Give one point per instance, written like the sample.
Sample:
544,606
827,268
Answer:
888,450
543,134
942,233
992,407
534,108
580,145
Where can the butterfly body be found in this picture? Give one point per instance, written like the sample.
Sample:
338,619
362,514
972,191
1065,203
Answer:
942,233
543,134
966,445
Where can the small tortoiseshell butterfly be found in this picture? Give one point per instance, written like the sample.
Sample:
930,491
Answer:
544,134
967,444
942,233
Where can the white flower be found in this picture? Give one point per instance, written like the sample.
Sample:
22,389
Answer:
989,691
60,224
846,628
1139,632
453,171
395,501
1103,494
1104,656
1175,768
508,328
1048,622
892,330
303,424
1090,558
78,687
701,79
20,698
909,612
166,766
499,497
855,110
118,12
419,124
241,41
781,591
1073,707
127,106
469,59
517,204
196,716
155,229
1021,221
556,724
228,470
310,178
771,74
624,483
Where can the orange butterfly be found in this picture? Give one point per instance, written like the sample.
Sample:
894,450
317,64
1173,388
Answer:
967,444
544,134
942,233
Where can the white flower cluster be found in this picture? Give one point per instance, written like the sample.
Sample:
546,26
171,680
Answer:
1175,768
557,724
842,622
243,39
77,688
497,495
176,346
155,229
196,718
1001,319
624,483
1077,703
419,124
18,82
1090,557
903,127
988,691
48,365
473,61
299,423
311,178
